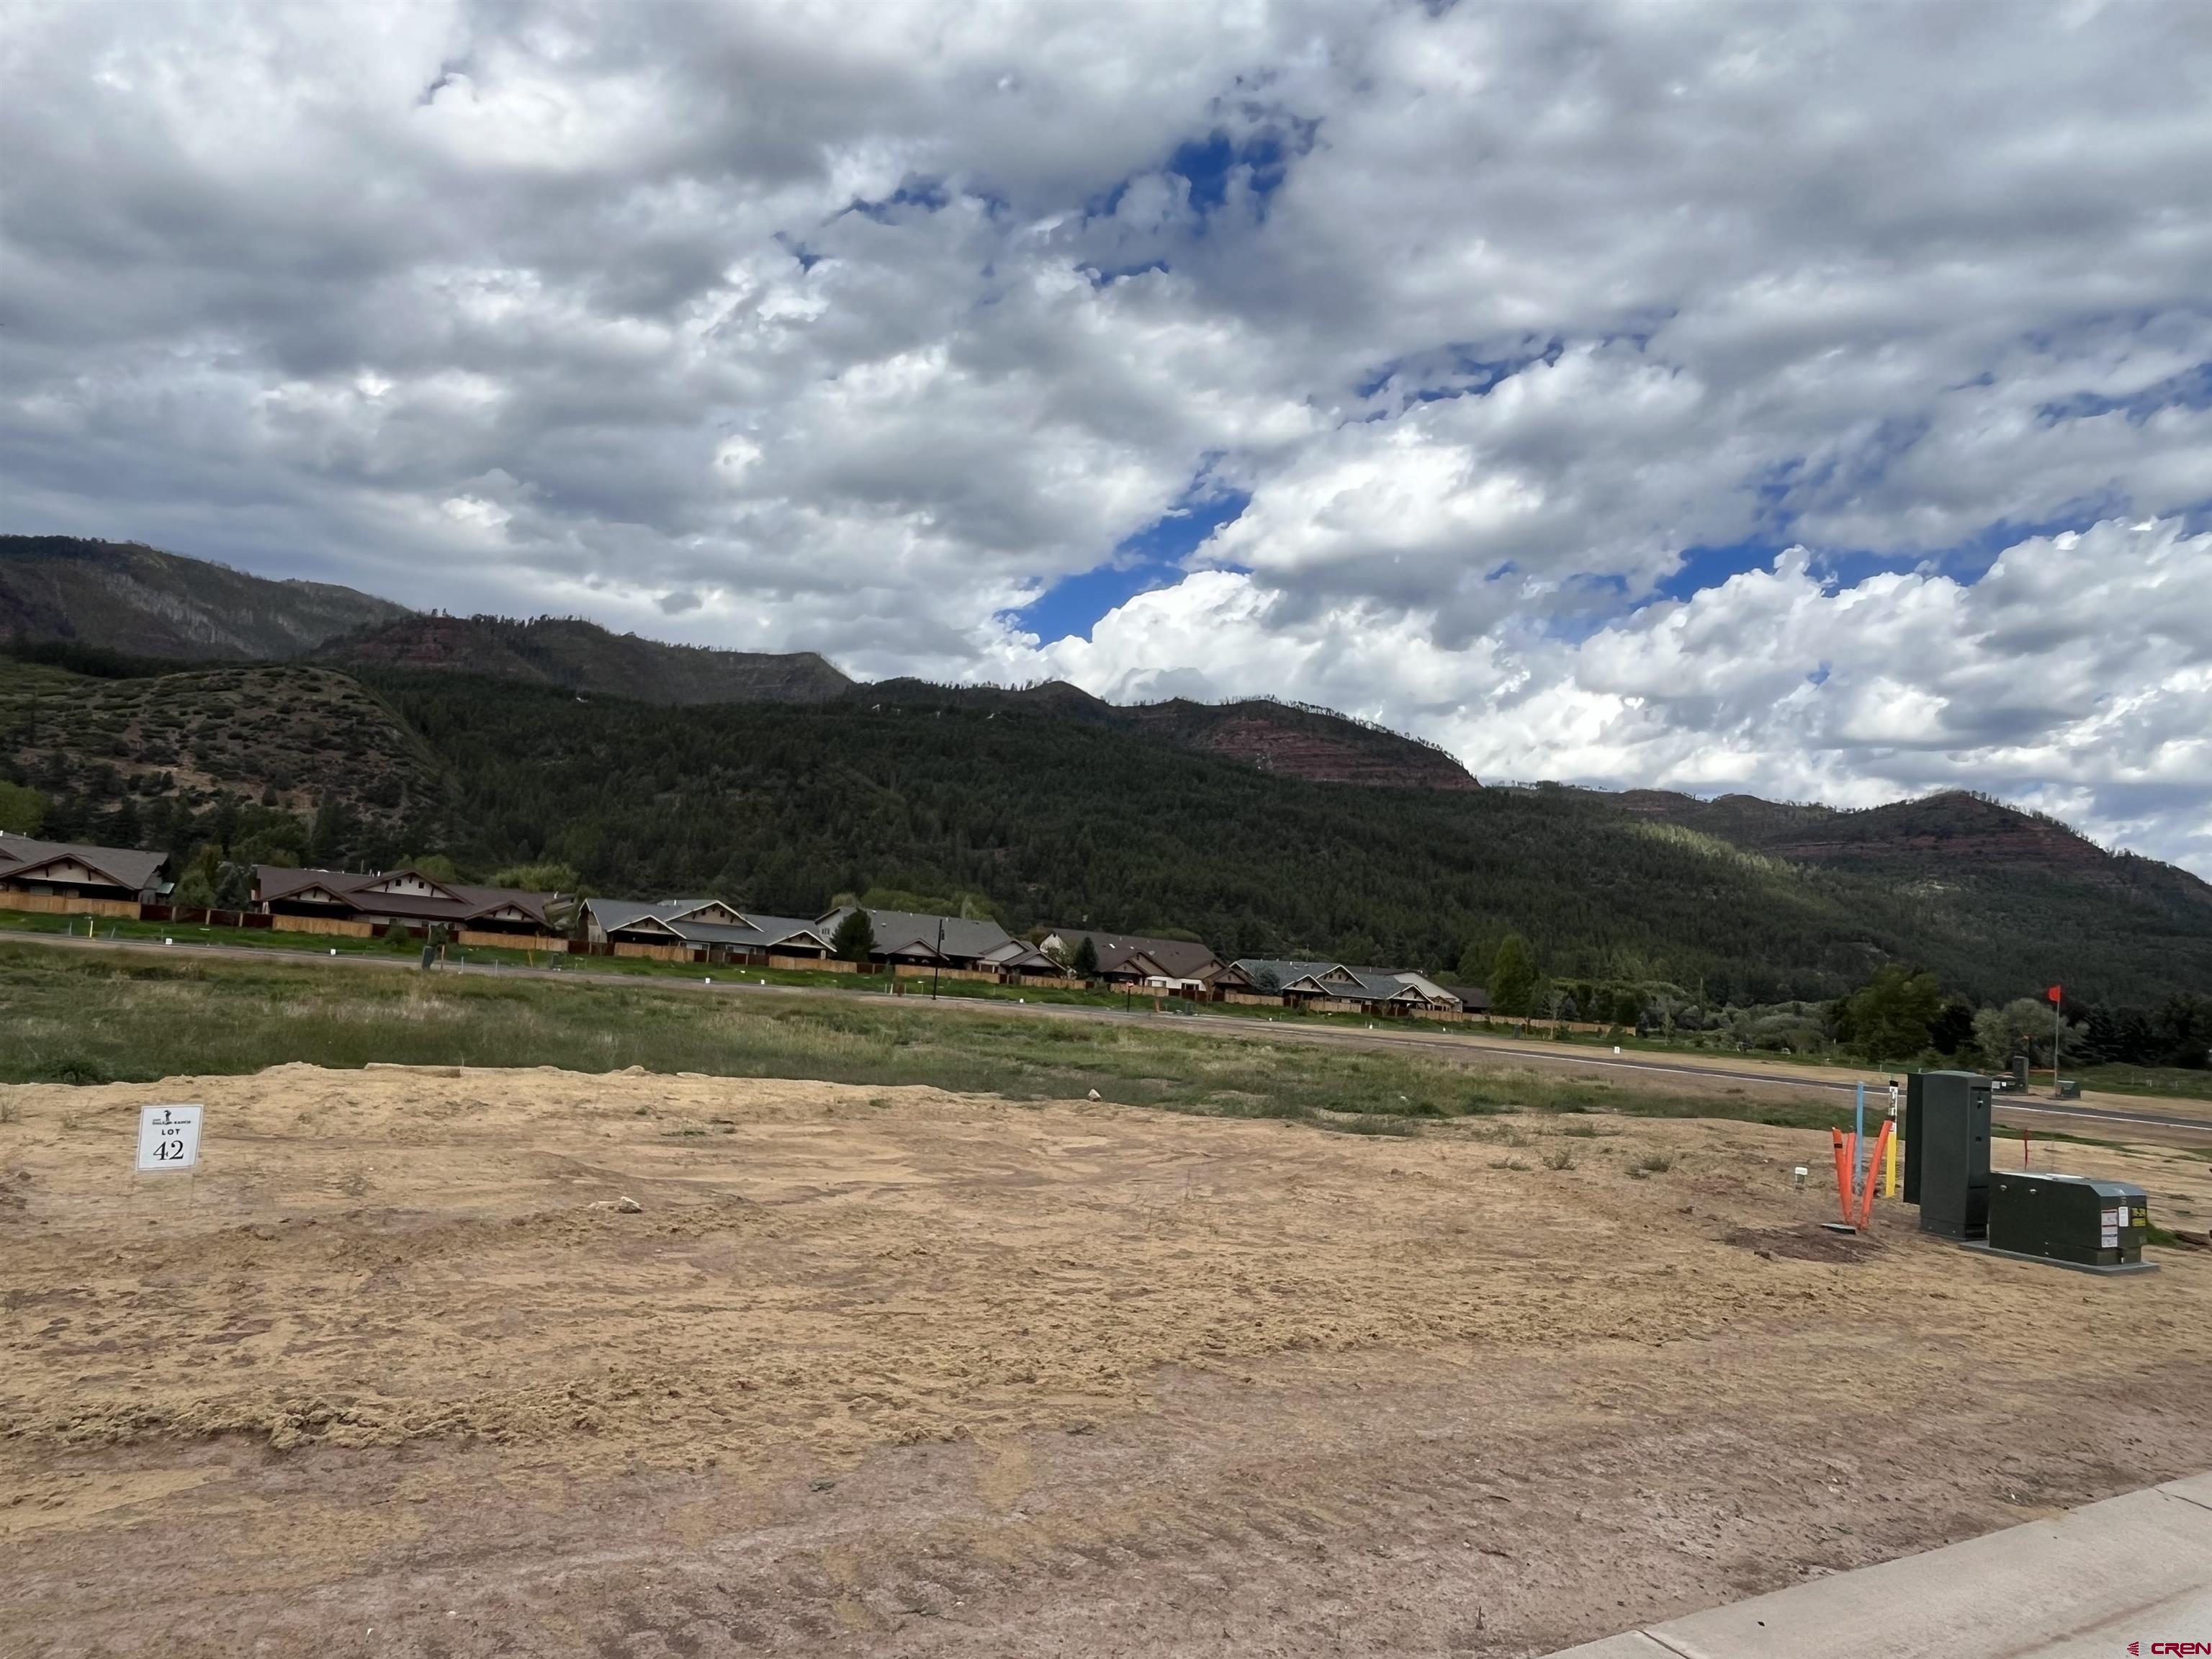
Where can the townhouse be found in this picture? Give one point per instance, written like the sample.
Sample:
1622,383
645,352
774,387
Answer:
361,904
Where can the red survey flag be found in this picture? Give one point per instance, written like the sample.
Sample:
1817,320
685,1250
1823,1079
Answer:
2052,993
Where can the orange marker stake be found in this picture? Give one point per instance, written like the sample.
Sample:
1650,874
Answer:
1843,1174
1866,1198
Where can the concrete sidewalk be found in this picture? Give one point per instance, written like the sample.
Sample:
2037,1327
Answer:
2137,1568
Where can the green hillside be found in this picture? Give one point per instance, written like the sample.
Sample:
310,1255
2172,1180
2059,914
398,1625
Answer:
1058,815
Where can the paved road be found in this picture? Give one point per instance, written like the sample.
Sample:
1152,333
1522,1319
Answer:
1454,1045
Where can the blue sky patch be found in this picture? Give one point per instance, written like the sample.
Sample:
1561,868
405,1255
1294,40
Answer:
928,195
1455,370
1151,558
1107,276
1206,165
2190,389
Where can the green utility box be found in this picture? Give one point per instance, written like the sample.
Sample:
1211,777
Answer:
2068,1219
1946,1152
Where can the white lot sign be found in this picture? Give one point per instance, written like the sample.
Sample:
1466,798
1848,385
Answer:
168,1136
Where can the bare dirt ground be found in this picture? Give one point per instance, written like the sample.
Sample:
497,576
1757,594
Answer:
901,1372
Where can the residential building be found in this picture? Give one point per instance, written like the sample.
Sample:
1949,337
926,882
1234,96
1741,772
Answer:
1332,986
703,930
908,942
353,901
1178,967
70,870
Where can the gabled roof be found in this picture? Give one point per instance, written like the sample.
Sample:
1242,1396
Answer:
1384,985
1334,979
1428,989
21,857
1176,958
1019,953
902,932
612,914
1259,968
449,902
759,932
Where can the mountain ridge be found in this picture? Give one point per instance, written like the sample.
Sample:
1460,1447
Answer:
47,596
1276,827
583,657
1062,820
138,601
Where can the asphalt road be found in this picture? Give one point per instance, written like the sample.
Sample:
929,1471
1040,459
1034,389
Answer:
2007,1108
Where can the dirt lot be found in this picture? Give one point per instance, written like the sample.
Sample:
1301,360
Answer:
902,1372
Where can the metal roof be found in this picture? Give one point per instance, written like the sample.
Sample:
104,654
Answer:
903,932
617,913
760,933
451,901
20,856
1367,984
1179,958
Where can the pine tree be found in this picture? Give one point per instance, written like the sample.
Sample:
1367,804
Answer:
1513,977
855,938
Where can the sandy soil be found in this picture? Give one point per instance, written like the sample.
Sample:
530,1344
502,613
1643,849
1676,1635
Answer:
896,1371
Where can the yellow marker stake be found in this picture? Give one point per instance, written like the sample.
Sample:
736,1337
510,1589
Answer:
1889,1170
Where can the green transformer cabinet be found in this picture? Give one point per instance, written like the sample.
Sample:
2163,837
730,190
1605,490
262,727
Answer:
1946,1152
2064,1218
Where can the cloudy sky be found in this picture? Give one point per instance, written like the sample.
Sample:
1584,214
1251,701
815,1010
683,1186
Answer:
1810,402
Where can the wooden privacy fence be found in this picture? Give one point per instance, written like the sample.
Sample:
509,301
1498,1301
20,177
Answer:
510,941
67,904
329,927
654,952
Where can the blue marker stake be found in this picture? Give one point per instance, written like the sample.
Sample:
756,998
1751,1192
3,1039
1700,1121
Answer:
1859,1145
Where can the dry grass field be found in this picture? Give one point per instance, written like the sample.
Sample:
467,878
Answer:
896,1370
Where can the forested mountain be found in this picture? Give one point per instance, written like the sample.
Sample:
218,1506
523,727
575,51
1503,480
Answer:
1060,809
581,656
121,597
111,608
1285,737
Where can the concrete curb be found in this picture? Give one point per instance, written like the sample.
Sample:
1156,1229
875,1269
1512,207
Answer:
2136,1568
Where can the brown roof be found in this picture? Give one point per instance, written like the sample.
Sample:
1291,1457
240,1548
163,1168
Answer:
1181,958
124,866
452,901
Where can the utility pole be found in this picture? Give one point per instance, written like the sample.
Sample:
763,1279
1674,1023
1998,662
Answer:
939,962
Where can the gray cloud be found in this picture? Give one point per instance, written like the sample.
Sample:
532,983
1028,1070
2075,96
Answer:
856,328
